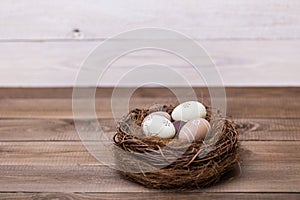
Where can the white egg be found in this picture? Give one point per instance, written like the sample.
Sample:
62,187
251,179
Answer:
159,126
189,110
161,113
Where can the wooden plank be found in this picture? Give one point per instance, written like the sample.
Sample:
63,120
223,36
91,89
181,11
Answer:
240,63
45,154
268,129
271,19
64,129
144,92
74,153
266,167
150,196
286,107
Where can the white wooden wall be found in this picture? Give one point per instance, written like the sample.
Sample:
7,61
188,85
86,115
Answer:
253,43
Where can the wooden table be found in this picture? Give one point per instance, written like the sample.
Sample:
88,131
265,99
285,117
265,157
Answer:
42,156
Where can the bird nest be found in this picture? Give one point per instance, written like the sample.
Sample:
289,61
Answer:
170,163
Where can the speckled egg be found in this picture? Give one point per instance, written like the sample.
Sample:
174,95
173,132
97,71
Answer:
159,126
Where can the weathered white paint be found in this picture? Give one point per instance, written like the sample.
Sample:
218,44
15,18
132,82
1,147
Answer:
241,63
253,43
202,19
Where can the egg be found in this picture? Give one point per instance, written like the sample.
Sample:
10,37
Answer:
194,130
159,126
189,110
178,125
161,113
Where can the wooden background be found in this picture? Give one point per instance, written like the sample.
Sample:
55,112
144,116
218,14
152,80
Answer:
253,43
43,44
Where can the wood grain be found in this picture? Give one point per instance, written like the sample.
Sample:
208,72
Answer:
242,103
268,129
144,92
151,196
35,20
46,167
74,153
240,63
64,129
62,108
41,155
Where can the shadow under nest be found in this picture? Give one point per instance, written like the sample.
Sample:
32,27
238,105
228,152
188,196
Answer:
170,163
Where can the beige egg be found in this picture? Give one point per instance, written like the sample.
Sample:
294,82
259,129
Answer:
161,113
194,130
158,126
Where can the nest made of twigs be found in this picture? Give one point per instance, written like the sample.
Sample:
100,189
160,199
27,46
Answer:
169,163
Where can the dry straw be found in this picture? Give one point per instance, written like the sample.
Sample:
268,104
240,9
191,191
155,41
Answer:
169,163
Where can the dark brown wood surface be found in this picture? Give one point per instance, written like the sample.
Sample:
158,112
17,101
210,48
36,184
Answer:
41,155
